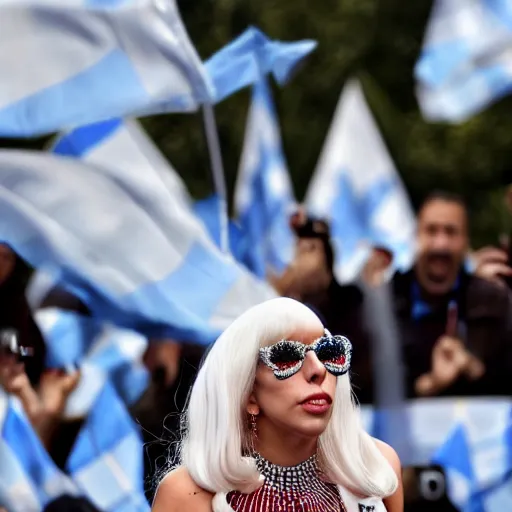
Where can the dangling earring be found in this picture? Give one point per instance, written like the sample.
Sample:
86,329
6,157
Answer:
253,434
254,426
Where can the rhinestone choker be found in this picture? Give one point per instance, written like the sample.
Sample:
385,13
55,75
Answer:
293,477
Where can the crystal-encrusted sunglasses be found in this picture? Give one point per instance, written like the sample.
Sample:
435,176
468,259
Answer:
285,358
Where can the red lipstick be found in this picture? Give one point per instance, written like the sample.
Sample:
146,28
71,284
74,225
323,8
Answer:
318,403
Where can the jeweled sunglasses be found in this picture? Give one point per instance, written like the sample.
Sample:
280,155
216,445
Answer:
285,358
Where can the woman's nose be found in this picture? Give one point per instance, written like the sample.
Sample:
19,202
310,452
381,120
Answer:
314,370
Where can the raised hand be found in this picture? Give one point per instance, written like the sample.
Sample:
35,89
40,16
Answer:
54,389
450,360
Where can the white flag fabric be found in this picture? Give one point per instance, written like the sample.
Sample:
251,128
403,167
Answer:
29,479
358,190
67,63
466,61
103,353
131,159
264,197
162,277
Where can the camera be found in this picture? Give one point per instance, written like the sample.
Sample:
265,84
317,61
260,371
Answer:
425,489
10,345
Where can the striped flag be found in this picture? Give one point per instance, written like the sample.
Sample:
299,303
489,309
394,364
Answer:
466,61
73,62
357,188
29,479
264,197
140,271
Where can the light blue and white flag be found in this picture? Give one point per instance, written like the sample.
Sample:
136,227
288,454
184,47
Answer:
477,456
68,63
252,55
455,457
264,197
358,190
107,458
106,461
159,274
130,158
206,210
466,62
104,353
29,479
471,438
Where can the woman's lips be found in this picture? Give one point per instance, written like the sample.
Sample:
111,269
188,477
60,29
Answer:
317,404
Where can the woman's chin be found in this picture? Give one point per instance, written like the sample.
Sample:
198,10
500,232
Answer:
312,427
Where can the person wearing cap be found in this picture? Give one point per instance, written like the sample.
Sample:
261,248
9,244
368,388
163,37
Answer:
310,279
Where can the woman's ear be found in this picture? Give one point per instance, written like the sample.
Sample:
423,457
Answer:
252,406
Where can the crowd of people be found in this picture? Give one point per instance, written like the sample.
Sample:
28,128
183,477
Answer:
452,310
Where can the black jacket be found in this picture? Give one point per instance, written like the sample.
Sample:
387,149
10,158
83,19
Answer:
485,327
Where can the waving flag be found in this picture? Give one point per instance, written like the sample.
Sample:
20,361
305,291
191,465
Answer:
252,55
357,188
264,196
455,456
206,210
477,456
142,271
131,159
74,63
106,461
466,62
29,479
107,353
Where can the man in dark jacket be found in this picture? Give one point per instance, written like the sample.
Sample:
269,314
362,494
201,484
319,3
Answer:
455,328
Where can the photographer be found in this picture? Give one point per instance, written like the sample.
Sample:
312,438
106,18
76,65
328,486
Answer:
15,312
43,393
43,404
310,279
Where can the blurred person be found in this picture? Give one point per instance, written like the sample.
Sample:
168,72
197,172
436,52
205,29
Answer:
42,392
493,264
15,312
44,403
173,367
68,503
455,327
377,267
310,279
271,425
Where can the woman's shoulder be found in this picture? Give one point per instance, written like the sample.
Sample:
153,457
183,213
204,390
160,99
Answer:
178,492
395,502
390,454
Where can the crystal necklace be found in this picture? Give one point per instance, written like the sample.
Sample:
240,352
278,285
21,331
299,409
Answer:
297,488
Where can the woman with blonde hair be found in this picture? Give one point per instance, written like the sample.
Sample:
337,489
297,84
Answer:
271,425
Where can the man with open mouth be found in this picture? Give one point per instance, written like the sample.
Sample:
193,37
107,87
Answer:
455,327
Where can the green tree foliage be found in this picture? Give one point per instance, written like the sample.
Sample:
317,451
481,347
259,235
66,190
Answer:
378,40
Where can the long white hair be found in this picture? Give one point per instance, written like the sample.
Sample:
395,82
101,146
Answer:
216,430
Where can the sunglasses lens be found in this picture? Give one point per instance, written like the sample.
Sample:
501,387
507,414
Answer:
332,352
285,355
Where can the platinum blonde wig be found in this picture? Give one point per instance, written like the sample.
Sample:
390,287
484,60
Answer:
216,420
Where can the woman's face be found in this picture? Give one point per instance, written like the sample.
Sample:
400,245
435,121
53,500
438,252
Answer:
7,262
300,405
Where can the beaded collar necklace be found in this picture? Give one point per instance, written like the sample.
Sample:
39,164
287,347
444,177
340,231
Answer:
297,477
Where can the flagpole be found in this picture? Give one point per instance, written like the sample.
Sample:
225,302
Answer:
212,139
